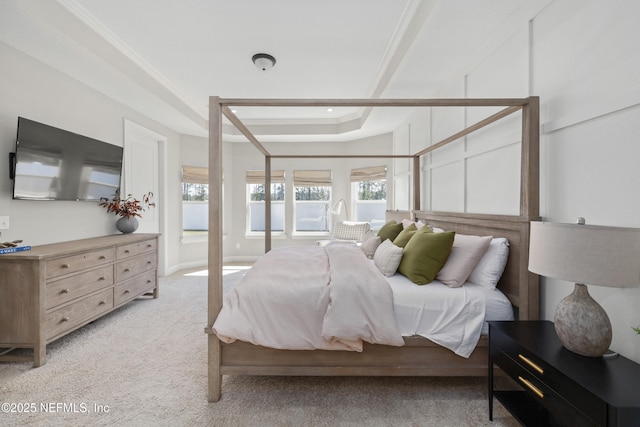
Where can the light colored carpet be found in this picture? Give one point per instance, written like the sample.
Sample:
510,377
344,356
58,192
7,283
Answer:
146,364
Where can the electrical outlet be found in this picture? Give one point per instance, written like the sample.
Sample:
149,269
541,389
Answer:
4,222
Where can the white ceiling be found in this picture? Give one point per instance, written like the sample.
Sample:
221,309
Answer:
164,58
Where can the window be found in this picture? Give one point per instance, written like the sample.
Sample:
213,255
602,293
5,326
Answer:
256,197
312,198
195,200
370,190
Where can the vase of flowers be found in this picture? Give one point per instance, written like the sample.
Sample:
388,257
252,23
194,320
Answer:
128,209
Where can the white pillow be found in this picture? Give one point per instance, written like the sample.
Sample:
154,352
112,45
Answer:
387,257
465,255
491,266
369,245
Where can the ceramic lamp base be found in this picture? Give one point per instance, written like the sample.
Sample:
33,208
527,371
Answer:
582,324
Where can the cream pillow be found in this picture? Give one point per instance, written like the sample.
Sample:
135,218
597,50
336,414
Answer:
369,245
465,254
387,257
491,266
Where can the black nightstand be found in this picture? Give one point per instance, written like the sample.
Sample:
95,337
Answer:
560,388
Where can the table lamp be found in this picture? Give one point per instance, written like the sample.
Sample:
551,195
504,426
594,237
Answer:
586,255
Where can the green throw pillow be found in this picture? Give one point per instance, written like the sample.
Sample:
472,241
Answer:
425,255
405,235
390,231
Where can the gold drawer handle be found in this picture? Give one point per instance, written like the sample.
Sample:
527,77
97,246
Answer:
103,302
126,291
64,291
533,388
101,278
64,319
149,281
65,266
530,363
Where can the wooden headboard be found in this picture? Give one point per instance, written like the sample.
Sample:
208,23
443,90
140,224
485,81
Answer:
517,283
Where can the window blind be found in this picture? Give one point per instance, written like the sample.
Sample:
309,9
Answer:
195,175
257,177
311,178
371,173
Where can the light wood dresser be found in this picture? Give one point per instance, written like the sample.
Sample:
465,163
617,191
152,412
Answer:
52,290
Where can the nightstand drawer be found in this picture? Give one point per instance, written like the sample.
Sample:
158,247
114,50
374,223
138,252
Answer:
537,389
537,371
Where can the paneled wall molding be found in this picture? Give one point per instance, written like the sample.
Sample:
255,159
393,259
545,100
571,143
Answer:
588,113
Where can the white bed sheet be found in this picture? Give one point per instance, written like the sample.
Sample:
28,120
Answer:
410,300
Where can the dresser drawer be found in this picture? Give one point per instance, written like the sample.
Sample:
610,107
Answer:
78,285
134,249
134,287
73,263
133,266
73,315
582,409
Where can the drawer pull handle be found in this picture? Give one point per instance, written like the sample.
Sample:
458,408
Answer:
148,262
64,291
530,363
149,281
126,270
149,245
102,257
65,266
64,319
126,251
101,278
531,387
103,302
126,291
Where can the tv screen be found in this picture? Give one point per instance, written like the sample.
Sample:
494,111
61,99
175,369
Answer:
54,164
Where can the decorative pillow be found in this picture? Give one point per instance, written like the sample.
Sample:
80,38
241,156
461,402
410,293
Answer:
408,222
425,254
465,255
390,231
491,266
347,230
369,245
405,235
387,258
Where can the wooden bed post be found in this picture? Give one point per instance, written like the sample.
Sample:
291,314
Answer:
215,245
267,204
416,183
530,200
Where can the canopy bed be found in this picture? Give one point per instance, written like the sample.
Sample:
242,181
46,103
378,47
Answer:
415,355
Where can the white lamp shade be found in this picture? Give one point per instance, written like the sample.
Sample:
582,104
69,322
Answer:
589,254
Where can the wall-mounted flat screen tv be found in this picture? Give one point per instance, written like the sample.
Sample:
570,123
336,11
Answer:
54,164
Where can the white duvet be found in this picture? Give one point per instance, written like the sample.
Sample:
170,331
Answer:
303,298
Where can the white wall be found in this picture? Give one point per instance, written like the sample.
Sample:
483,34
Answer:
36,91
581,58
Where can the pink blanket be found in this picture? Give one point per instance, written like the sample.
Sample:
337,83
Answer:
303,298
